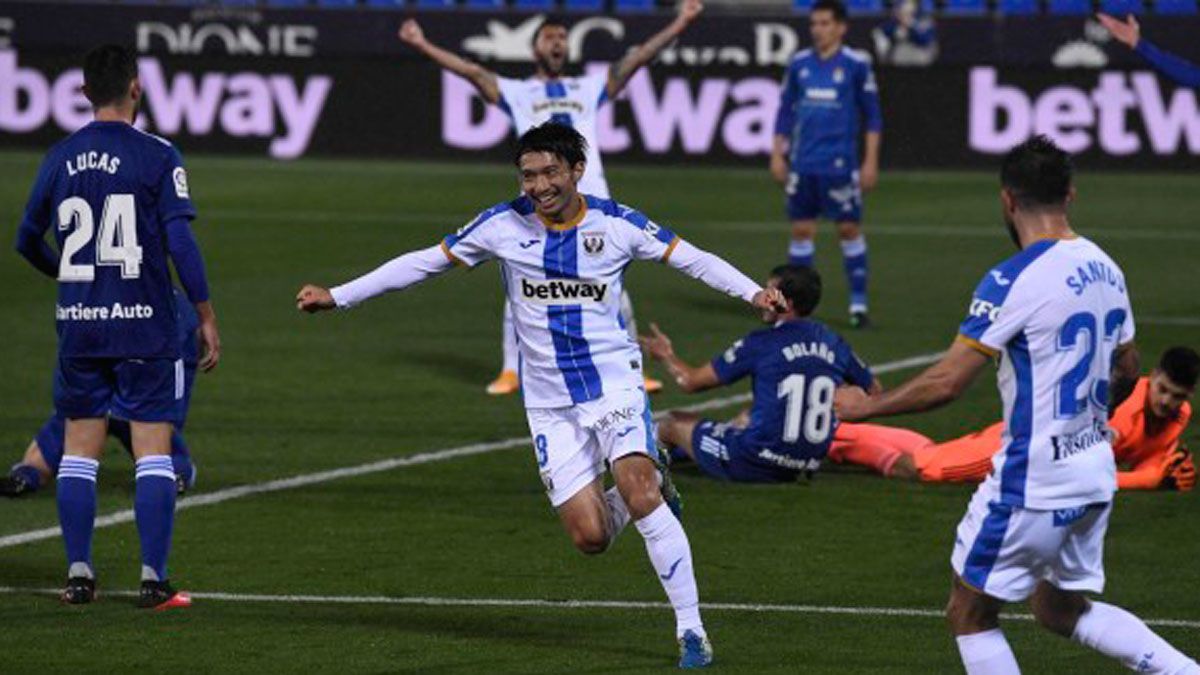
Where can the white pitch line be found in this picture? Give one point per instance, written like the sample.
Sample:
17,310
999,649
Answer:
537,603
126,516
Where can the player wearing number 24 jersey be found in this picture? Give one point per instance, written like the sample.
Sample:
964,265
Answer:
118,203
796,365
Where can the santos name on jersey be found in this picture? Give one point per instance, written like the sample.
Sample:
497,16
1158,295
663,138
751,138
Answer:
569,101
1054,313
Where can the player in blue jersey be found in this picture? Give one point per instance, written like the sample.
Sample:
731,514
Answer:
796,365
1057,316
45,451
117,201
1129,33
829,97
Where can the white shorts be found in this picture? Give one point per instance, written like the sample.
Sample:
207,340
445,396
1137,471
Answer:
571,444
1004,551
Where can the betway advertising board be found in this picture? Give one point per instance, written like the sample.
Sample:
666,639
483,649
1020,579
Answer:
291,84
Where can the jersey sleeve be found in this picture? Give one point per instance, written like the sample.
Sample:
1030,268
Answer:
1183,72
867,94
174,196
470,245
647,240
509,92
785,118
595,87
38,210
855,371
998,312
738,361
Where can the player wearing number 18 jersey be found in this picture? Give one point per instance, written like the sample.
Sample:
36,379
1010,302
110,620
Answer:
796,365
117,201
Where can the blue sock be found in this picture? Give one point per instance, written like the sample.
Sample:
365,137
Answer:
29,475
678,455
181,459
154,508
77,510
802,253
854,258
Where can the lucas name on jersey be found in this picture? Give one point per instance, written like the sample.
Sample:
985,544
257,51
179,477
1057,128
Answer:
562,291
93,160
80,312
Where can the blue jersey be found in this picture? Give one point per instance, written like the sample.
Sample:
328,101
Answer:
796,366
109,191
823,107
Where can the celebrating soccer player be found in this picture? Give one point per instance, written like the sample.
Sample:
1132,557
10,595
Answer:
828,94
796,365
117,200
1058,316
550,96
45,452
565,255
1146,427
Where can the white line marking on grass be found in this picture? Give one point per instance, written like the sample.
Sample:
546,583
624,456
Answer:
302,480
536,603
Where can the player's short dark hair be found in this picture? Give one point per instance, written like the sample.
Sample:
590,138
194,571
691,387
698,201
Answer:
1181,365
551,20
836,6
557,139
107,72
1038,174
800,285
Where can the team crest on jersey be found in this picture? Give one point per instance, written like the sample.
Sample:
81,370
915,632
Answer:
838,75
179,177
593,244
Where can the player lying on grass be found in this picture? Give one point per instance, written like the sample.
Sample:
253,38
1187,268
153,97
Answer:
796,365
1058,313
1147,428
550,95
45,452
564,257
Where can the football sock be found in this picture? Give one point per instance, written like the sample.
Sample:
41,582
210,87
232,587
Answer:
618,513
802,253
987,653
1118,634
77,510
154,509
181,459
854,259
671,556
626,315
28,474
508,339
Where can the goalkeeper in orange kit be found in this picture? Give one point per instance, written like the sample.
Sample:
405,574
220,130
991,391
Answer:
1147,429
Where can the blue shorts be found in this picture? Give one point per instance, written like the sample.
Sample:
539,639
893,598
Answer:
721,452
139,390
837,198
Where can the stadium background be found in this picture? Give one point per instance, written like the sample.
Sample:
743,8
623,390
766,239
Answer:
318,146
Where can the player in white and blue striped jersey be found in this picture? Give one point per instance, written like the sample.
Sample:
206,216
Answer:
552,96
563,256
1057,315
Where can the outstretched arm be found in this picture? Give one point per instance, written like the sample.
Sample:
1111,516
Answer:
940,384
1129,33
484,80
394,275
720,275
689,379
644,53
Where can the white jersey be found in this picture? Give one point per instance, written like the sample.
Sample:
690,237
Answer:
570,101
564,283
1054,313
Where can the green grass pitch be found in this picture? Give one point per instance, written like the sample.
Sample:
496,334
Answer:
403,375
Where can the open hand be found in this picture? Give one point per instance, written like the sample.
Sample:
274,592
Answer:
770,299
657,344
1127,32
690,9
313,299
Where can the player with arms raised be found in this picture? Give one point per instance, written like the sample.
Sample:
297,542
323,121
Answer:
117,200
1057,315
563,257
551,96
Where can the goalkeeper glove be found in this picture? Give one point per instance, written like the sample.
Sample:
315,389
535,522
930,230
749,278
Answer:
1180,471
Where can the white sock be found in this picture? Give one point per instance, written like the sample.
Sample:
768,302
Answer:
987,653
627,315
618,513
1118,634
508,339
671,556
